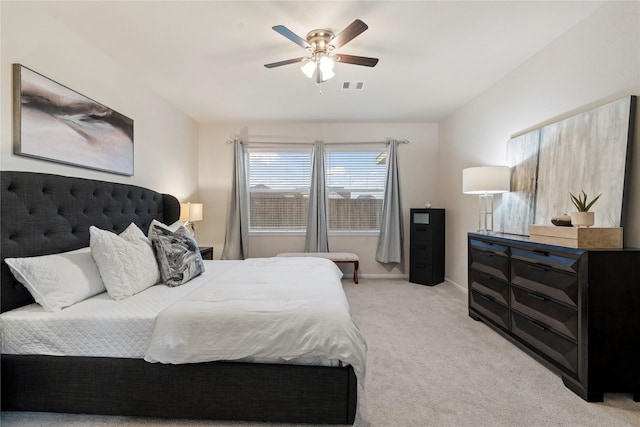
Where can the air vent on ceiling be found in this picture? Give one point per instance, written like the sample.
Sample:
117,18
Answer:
352,85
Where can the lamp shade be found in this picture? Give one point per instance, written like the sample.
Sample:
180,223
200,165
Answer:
309,68
190,212
486,180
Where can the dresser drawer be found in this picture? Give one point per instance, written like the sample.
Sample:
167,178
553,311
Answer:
546,280
421,253
489,308
488,285
554,346
489,262
422,275
559,317
421,234
551,259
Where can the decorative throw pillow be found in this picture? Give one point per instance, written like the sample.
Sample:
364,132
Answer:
172,227
126,261
58,280
177,254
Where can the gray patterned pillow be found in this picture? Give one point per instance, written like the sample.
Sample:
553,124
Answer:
177,253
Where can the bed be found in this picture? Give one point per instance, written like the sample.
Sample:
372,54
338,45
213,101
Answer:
46,214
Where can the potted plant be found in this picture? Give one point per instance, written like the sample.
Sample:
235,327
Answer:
583,218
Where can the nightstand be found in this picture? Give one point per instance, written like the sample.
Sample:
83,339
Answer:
206,252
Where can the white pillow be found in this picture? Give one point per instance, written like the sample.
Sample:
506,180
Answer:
126,262
58,280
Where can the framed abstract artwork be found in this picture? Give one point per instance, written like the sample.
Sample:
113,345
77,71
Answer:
54,123
587,152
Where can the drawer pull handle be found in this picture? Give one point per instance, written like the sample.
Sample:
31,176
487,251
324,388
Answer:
537,325
538,297
539,267
539,252
486,276
488,254
487,297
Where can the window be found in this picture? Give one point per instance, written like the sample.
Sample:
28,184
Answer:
279,180
355,188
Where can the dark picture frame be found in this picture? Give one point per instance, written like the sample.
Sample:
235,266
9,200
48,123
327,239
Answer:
55,123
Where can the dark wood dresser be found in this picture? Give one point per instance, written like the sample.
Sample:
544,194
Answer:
575,310
426,262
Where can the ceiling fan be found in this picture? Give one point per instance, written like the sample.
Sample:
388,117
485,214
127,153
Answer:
322,45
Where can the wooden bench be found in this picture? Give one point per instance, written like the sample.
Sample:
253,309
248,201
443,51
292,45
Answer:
337,257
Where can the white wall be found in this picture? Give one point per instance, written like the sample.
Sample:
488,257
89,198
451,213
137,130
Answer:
418,175
595,62
165,140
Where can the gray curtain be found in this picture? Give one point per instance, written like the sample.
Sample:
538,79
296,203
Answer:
236,239
317,236
391,240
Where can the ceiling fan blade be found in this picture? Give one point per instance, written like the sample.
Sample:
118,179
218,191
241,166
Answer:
353,30
291,36
357,60
287,62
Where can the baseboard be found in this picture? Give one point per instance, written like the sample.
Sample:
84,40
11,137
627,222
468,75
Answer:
379,276
460,287
402,277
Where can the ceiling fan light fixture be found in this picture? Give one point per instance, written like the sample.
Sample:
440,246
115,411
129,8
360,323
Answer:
321,45
326,64
309,68
326,75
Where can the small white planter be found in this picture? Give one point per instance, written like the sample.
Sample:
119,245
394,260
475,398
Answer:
582,219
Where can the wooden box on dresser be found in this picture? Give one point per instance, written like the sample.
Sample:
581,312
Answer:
575,310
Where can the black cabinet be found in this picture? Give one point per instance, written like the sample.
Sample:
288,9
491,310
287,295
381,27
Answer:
426,263
575,310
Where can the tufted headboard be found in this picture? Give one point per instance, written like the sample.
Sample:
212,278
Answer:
43,214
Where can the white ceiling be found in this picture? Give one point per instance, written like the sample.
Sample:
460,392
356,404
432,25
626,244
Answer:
207,57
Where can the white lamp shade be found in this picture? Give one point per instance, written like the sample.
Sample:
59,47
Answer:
190,212
486,179
309,68
326,64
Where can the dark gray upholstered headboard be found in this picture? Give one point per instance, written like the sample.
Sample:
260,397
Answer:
44,214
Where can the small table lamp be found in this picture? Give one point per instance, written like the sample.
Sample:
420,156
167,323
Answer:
486,181
190,213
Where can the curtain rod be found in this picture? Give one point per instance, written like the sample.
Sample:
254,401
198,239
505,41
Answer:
403,141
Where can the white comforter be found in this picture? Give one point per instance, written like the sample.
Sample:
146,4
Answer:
265,308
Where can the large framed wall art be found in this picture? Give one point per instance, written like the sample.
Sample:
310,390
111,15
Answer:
589,151
54,123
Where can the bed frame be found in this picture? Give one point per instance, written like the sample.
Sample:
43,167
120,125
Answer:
43,214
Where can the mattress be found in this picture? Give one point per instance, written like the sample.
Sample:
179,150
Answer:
103,327
99,326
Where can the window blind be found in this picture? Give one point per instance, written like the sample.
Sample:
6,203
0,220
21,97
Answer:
355,187
279,181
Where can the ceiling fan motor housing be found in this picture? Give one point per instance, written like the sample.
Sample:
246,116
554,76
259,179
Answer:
319,41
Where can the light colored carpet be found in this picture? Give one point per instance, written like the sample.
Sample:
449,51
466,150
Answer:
429,364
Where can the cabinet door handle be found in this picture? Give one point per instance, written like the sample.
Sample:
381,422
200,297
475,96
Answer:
538,297
537,325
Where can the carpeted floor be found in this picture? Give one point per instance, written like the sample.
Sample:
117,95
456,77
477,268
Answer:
429,364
